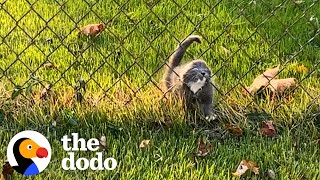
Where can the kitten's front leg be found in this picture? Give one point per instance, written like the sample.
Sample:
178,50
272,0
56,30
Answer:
208,112
211,117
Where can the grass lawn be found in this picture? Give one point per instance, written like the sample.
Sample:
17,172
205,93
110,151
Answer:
121,71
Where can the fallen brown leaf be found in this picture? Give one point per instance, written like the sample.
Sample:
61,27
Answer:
92,30
233,129
203,149
244,166
45,92
271,72
7,171
268,128
261,81
49,66
144,143
279,86
253,167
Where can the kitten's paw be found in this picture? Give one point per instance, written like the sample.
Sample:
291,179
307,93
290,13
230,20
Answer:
211,117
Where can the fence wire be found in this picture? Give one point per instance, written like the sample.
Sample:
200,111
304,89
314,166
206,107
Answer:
42,50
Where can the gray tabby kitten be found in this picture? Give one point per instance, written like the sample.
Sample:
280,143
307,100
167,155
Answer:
190,81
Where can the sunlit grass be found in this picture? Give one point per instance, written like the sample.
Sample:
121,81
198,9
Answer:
123,102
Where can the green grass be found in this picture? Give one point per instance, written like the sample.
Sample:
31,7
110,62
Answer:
134,46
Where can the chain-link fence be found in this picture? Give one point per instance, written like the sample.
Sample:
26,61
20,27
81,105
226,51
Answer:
43,51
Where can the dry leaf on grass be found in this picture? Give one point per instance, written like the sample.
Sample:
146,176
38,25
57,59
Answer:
268,128
262,80
267,80
244,166
233,129
49,66
7,171
279,86
103,140
271,174
102,143
253,167
203,148
92,30
144,143
45,92
271,72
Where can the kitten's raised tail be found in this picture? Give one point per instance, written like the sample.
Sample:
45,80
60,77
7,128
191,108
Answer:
176,57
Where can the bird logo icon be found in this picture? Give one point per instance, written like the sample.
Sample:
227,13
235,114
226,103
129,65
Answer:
29,153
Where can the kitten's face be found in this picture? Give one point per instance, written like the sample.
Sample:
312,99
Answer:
198,70
197,75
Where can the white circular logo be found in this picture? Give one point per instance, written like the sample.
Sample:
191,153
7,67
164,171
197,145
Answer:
29,152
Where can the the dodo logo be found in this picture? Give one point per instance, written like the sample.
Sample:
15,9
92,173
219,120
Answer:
29,152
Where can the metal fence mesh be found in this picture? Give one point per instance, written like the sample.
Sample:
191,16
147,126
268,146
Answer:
40,50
